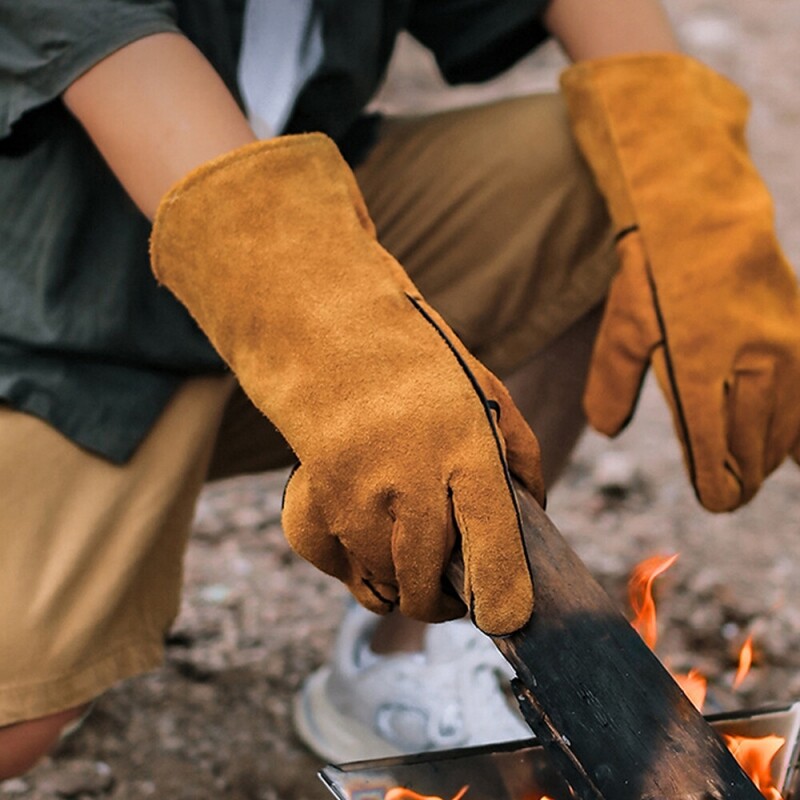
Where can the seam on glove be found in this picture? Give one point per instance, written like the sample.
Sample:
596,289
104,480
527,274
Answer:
673,382
391,604
488,412
494,406
292,472
621,234
481,397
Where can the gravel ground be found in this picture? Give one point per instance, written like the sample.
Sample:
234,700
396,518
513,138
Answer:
215,721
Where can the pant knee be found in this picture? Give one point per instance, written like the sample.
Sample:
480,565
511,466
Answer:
539,159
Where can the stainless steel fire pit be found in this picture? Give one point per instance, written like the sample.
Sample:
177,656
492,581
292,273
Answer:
521,771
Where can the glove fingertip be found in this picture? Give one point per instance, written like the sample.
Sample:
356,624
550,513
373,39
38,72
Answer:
497,582
722,490
503,618
378,599
630,334
612,394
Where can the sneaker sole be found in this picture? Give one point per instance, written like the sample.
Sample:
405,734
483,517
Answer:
334,737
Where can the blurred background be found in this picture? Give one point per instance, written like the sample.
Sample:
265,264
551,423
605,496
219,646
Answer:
215,722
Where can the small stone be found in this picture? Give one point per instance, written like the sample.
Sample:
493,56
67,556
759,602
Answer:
711,31
731,631
615,474
216,593
77,777
14,786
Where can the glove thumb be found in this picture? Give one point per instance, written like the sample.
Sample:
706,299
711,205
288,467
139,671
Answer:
625,342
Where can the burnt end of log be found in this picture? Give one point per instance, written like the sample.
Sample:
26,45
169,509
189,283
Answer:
613,720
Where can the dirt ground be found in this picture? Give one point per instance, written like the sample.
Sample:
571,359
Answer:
215,721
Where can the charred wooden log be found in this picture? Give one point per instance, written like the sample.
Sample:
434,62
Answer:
613,720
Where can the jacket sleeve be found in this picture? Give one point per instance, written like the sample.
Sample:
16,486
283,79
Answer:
46,44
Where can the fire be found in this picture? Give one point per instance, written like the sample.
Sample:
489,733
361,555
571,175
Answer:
640,595
399,793
694,686
755,757
753,754
745,662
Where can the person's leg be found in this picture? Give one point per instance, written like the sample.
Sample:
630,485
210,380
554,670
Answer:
22,744
549,392
90,562
496,218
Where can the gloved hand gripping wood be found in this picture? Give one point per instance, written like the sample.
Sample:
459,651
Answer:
405,440
704,292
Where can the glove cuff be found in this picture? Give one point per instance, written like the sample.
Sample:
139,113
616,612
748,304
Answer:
667,106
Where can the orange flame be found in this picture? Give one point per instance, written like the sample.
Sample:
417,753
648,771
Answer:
399,793
640,595
755,756
694,685
745,662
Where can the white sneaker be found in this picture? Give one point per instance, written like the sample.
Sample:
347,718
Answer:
363,705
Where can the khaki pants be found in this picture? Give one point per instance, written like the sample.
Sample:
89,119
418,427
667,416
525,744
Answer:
495,217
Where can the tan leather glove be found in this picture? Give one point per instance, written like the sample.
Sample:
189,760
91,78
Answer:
405,440
703,292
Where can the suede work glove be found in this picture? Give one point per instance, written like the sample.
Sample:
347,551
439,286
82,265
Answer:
406,442
703,293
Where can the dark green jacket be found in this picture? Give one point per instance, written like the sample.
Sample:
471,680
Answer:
88,341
